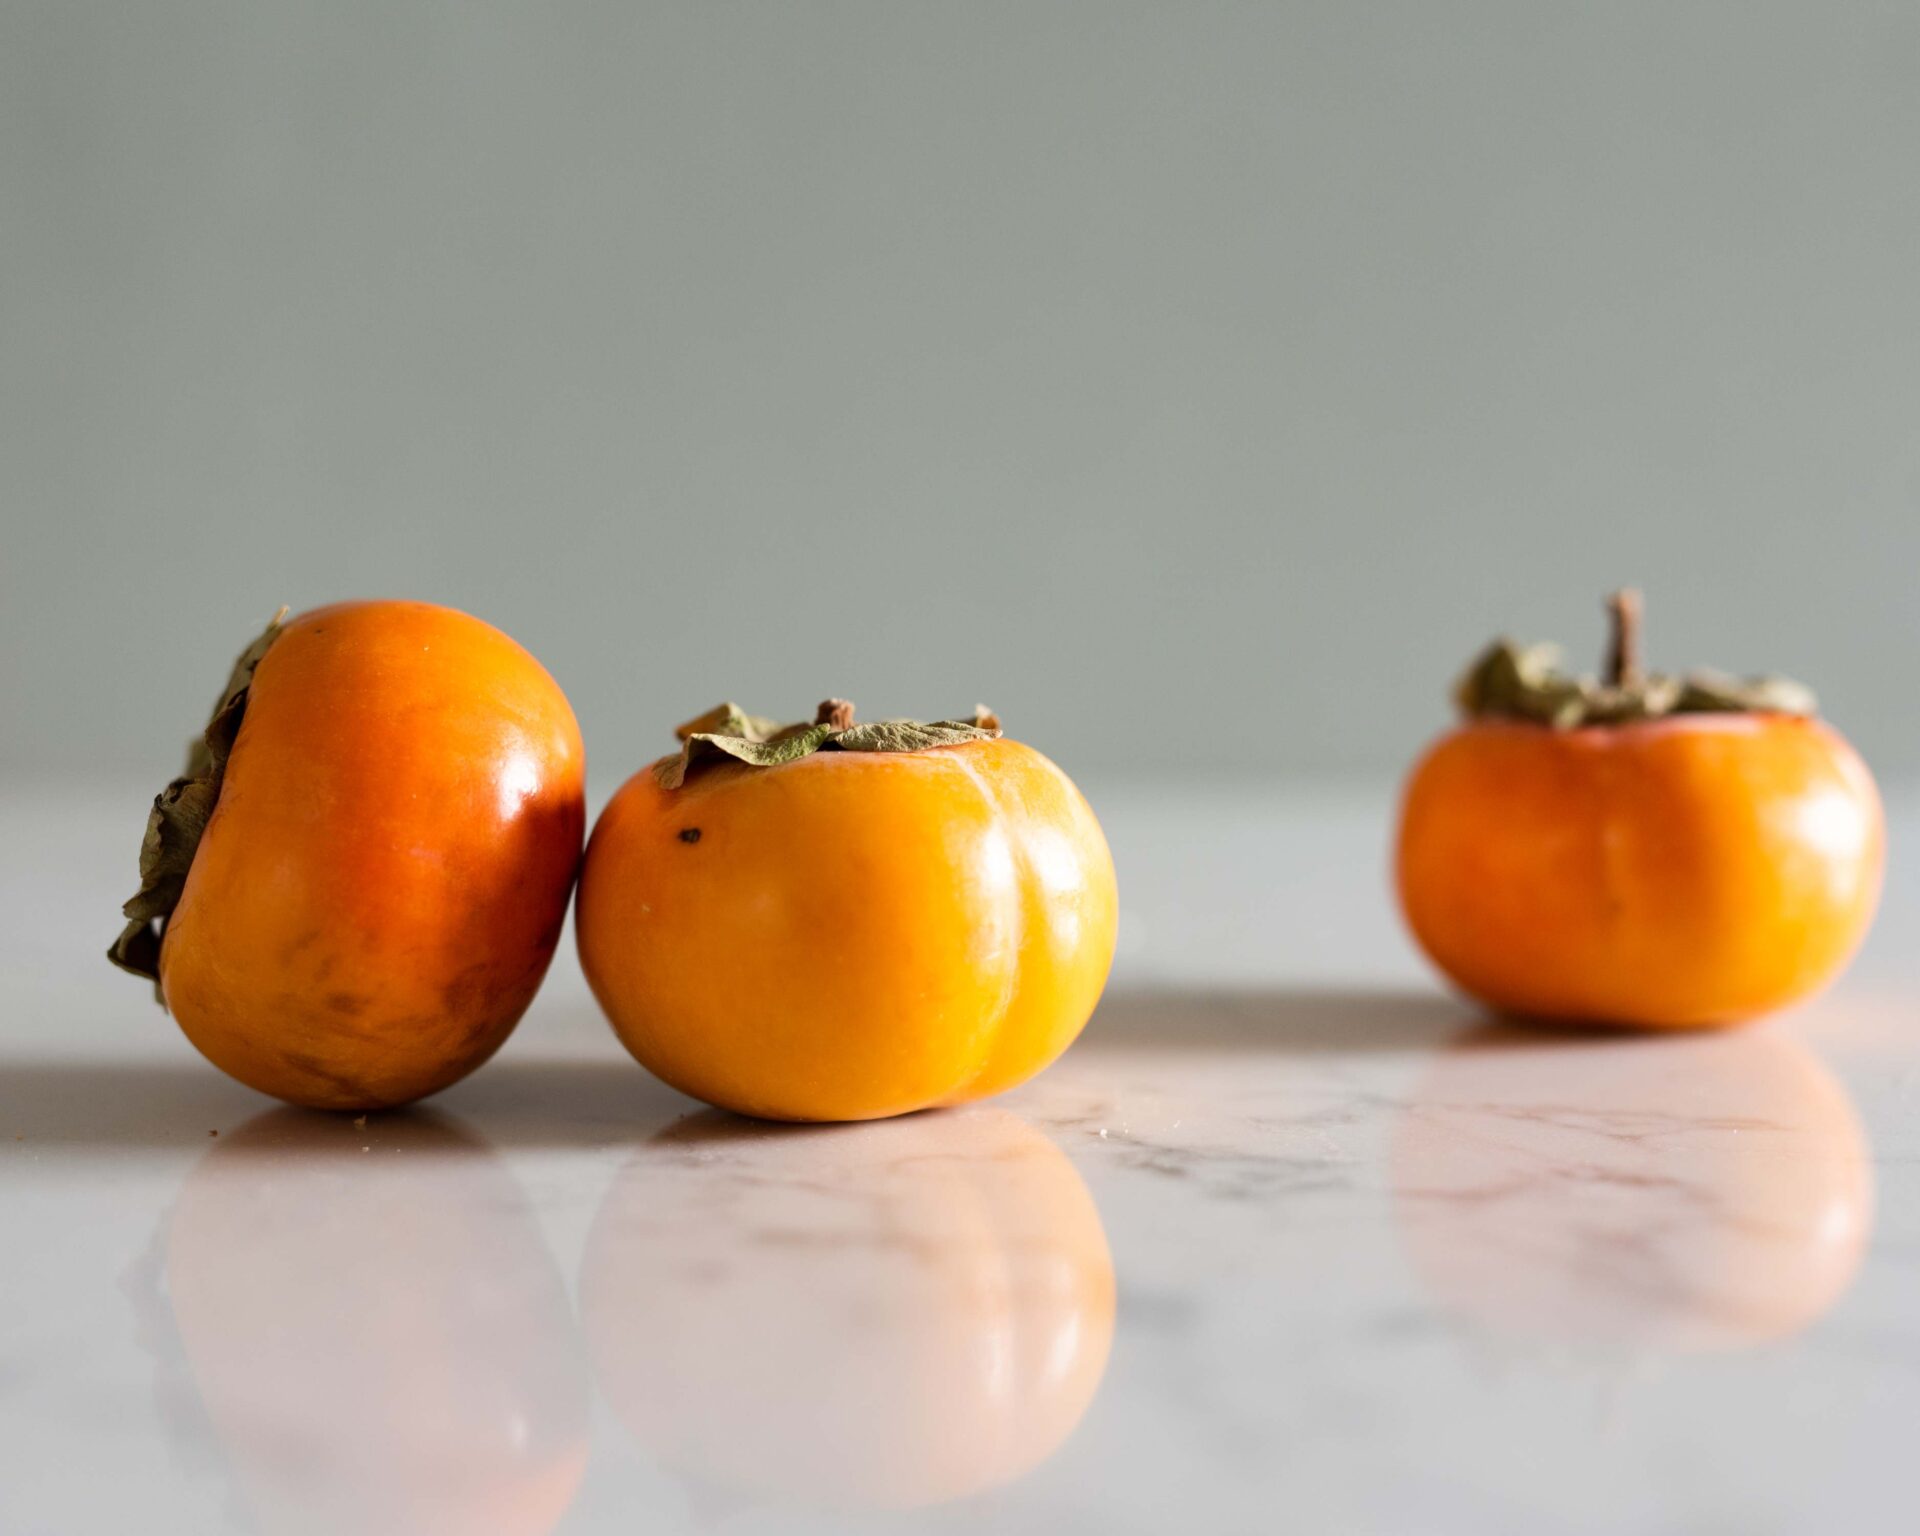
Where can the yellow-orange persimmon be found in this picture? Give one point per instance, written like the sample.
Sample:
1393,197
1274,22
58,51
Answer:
842,922
354,892
1650,851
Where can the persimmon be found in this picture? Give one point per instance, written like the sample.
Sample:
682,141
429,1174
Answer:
841,922
353,893
1644,851
377,1330
1691,1192
888,1317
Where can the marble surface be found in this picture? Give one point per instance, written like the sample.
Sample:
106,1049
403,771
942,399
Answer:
1290,1240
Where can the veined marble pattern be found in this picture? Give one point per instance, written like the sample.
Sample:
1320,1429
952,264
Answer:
1290,1240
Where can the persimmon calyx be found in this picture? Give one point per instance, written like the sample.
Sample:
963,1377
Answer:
729,732
179,818
1530,682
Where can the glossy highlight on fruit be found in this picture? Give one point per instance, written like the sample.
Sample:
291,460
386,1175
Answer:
843,922
354,892
1649,852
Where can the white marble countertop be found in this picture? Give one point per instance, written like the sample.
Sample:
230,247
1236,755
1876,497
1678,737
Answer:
1290,1240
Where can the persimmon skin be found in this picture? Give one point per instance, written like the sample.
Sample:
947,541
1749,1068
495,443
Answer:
1691,871
383,882
852,935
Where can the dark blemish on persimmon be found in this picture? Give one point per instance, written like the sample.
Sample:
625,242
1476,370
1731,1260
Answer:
342,1083
352,1004
493,1025
689,834
470,991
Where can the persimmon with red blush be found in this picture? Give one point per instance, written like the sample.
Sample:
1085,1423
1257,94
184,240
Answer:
352,894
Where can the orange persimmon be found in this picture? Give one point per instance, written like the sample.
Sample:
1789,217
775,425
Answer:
842,922
1648,851
353,893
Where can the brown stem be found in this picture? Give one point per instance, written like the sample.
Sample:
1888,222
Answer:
834,713
1623,657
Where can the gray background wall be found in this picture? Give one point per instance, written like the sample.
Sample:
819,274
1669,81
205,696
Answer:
1133,367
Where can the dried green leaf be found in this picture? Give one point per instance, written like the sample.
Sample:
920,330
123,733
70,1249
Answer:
782,745
1706,692
1522,682
908,735
1528,682
179,816
729,733
729,720
1654,695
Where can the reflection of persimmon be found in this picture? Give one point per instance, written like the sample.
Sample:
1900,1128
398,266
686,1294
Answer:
885,1315
381,1338
1679,1193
